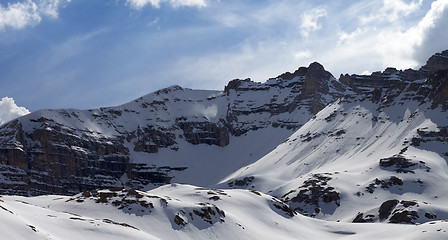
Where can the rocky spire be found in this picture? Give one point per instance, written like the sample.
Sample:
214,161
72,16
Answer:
315,85
316,80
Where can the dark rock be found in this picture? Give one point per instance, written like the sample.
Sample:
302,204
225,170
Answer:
408,203
205,133
361,219
179,221
384,183
234,84
298,73
312,194
396,161
403,217
150,140
386,208
376,95
315,85
241,182
439,95
430,216
283,207
395,181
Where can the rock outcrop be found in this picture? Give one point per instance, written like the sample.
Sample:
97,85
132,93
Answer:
436,62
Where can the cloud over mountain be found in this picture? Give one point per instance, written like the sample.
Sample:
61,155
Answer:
9,110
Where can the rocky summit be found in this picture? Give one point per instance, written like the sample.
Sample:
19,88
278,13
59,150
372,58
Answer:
361,148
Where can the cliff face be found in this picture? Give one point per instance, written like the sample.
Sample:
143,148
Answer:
151,140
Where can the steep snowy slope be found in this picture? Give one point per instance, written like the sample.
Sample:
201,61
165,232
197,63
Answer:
363,159
182,212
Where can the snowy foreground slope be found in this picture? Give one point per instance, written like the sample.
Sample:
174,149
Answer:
301,156
183,212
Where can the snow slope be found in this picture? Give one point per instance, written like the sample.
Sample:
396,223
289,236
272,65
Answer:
182,212
355,155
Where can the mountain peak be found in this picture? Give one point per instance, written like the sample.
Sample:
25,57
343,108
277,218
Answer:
316,66
234,84
169,89
302,71
436,62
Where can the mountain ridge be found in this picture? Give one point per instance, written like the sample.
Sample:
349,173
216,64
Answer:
301,155
89,141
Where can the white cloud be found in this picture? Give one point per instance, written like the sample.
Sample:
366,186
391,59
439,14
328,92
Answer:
410,48
153,22
28,13
19,15
345,37
397,8
310,21
239,14
430,35
208,112
394,39
389,11
50,7
366,73
9,110
306,54
138,4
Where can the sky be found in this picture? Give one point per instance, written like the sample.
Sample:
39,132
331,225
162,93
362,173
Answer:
93,53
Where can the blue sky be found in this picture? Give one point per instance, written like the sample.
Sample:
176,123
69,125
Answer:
92,53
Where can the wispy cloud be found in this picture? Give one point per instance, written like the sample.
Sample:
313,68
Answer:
396,9
430,35
9,110
390,11
50,7
304,54
310,21
401,44
357,46
28,13
138,4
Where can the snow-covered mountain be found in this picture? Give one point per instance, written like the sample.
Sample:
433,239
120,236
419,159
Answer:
172,135
255,160
358,158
